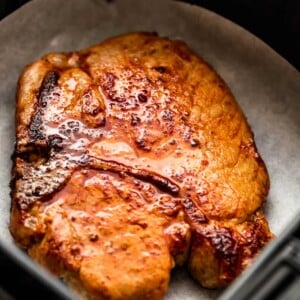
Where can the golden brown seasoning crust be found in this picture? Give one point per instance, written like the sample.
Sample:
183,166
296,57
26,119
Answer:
132,157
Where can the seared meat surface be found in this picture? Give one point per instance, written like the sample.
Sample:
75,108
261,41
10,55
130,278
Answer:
133,157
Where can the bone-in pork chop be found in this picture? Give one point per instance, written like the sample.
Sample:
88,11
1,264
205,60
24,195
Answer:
133,157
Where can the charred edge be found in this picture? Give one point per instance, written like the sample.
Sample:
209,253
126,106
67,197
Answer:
32,154
24,204
49,83
162,183
256,236
227,249
36,153
35,127
194,214
12,184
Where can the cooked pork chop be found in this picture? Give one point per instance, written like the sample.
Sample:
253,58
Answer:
133,157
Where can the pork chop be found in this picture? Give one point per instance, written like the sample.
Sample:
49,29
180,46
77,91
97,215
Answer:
133,157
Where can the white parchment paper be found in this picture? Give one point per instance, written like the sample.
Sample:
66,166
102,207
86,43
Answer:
265,85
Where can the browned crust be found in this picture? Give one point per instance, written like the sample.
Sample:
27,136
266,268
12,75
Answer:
147,113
